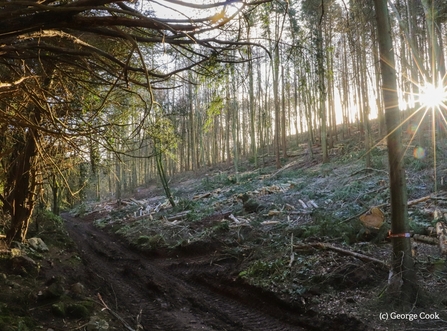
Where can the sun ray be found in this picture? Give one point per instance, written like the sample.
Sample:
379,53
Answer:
416,153
396,128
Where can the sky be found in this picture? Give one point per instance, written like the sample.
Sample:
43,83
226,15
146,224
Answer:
165,9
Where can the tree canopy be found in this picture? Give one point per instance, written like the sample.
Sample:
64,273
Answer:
63,62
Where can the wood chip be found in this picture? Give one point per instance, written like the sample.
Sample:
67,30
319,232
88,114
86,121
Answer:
302,203
269,222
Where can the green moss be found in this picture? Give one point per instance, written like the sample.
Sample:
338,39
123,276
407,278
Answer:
79,310
143,240
58,309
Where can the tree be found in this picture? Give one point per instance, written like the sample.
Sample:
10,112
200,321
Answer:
316,10
402,281
61,61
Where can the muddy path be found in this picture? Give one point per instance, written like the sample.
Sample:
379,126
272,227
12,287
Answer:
199,292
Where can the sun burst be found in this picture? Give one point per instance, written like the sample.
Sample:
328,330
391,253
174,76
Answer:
433,96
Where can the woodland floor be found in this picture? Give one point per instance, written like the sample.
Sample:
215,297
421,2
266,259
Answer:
263,250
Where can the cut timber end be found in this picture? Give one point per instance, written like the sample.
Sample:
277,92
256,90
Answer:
441,231
374,218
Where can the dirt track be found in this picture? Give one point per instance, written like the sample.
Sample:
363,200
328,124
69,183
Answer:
197,292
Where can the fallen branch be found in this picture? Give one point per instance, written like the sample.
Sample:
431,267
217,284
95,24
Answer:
202,196
269,222
302,203
111,312
426,239
302,212
416,201
138,203
234,219
369,169
312,203
364,258
178,216
288,165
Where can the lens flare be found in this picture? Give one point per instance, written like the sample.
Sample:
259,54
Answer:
433,95
419,153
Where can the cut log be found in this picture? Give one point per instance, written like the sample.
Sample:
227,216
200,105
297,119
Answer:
374,218
441,231
178,216
426,239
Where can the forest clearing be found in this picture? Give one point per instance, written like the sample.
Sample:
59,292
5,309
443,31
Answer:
293,256
223,165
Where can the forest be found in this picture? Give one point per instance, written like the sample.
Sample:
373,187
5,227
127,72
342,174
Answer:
200,133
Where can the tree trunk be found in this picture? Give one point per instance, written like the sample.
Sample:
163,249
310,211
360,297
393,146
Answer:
275,68
365,105
283,114
20,187
402,281
162,175
56,193
322,96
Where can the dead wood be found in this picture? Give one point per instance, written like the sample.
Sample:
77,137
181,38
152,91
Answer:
312,203
369,169
362,257
178,216
302,212
431,231
441,231
134,219
288,165
269,222
114,314
138,203
426,239
409,203
202,196
302,203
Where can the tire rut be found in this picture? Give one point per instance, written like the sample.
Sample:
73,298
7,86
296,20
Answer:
170,299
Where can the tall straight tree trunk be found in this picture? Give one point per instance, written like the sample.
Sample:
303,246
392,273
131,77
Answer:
298,113
330,84
345,96
365,106
310,135
436,53
261,112
235,132
254,152
228,119
322,96
283,114
118,179
275,65
380,116
402,280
